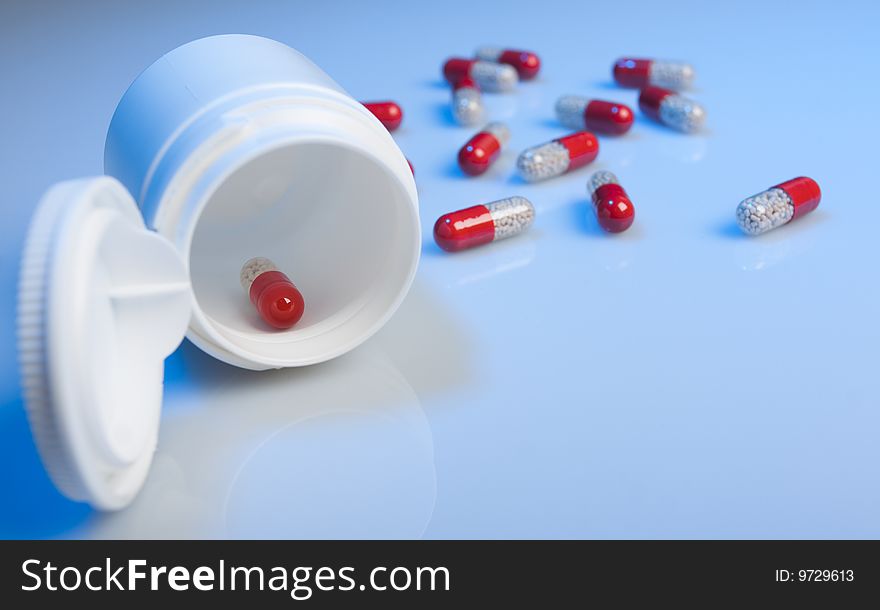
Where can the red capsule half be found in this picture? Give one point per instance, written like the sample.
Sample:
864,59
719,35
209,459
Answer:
464,229
389,113
482,150
804,193
650,99
583,148
633,73
456,69
608,117
614,210
526,63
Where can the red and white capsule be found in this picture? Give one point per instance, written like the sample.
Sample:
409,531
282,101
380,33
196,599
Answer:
672,109
577,112
640,73
778,205
614,210
557,156
276,299
467,102
482,224
526,63
488,75
389,113
482,150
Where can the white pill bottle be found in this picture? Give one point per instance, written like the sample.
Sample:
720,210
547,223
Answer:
226,148
238,146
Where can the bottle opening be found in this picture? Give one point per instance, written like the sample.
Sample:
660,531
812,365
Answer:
334,219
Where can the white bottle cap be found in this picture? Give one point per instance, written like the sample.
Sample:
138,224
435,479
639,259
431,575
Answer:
102,302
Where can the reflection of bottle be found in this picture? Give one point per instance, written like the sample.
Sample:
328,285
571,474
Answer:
338,450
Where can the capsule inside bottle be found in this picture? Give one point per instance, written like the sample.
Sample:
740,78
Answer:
274,296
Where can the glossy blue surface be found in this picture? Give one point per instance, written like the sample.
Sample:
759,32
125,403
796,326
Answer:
679,380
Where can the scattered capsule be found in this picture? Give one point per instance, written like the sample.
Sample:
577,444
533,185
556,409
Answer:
778,205
481,151
525,63
467,102
614,210
488,75
641,73
557,156
672,109
389,113
482,224
277,300
577,112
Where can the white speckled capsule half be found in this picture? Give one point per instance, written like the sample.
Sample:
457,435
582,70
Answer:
682,113
764,211
542,162
600,179
511,216
252,268
570,111
467,103
494,77
671,74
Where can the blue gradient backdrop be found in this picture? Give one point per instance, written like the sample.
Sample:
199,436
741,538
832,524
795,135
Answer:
680,380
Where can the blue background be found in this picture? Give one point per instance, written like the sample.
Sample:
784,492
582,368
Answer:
679,380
